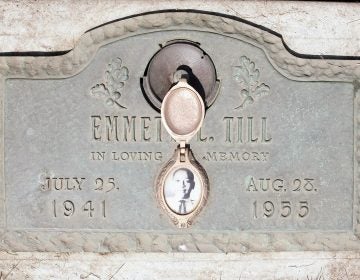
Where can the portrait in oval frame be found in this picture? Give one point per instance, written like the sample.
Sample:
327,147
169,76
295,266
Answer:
182,189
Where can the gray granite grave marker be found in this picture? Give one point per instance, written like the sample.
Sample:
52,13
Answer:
82,146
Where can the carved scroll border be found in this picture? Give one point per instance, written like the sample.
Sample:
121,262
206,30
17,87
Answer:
75,60
293,67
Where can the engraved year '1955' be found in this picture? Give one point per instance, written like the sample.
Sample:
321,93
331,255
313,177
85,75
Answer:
282,209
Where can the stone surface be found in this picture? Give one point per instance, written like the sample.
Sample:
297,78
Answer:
283,17
99,82
272,161
304,266
306,28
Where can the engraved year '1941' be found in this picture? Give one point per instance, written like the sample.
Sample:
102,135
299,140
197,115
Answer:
69,208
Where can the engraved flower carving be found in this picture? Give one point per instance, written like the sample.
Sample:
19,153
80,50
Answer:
248,76
110,90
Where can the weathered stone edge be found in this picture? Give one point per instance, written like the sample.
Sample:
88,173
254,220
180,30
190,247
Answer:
241,242
75,60
356,220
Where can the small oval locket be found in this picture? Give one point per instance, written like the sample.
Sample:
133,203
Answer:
182,186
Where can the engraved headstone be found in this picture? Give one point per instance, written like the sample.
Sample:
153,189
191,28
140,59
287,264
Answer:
82,145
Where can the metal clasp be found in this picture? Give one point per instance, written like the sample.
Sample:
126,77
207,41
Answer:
182,151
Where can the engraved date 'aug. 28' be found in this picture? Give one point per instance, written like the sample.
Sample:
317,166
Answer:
286,204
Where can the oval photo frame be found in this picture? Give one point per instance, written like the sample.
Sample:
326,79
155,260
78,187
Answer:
182,188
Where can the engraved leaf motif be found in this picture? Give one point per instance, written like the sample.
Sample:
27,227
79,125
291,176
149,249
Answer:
109,101
115,64
240,74
112,101
262,90
247,64
116,95
251,71
254,76
244,61
122,74
99,90
110,87
113,88
119,86
108,79
248,77
116,72
118,76
247,96
115,77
